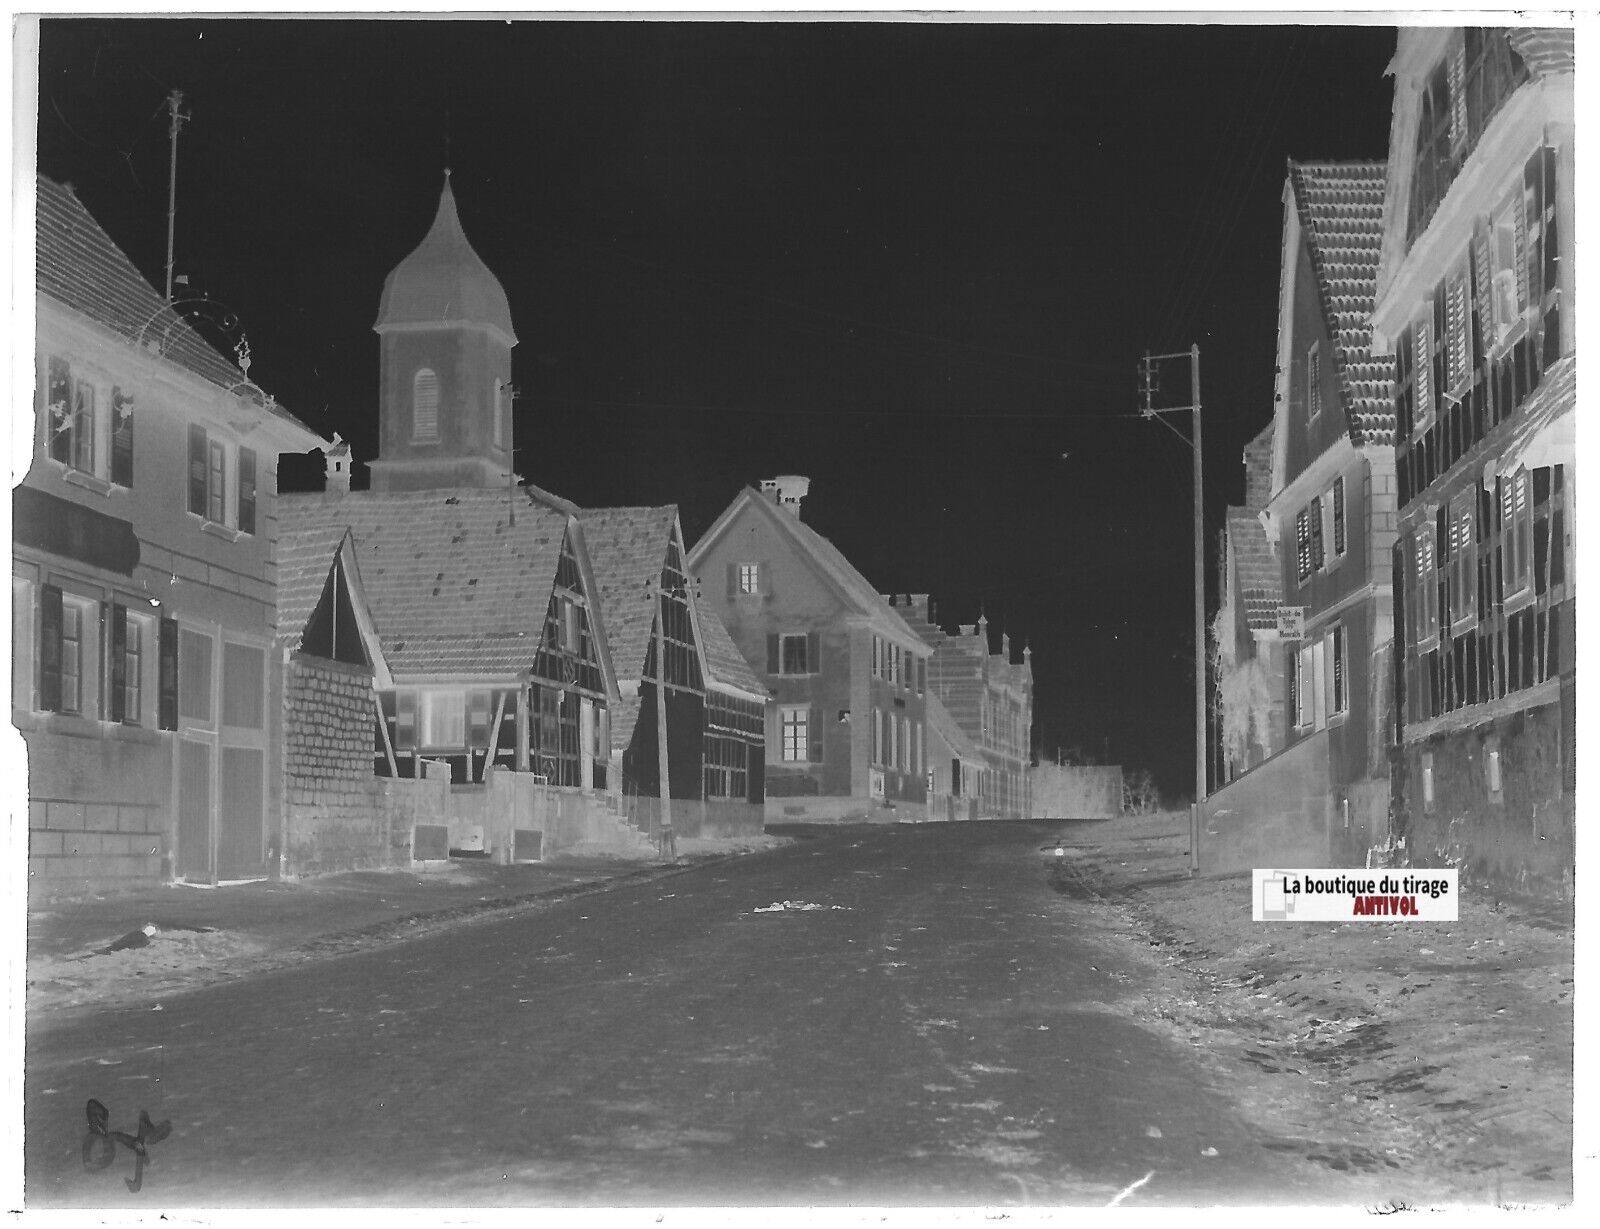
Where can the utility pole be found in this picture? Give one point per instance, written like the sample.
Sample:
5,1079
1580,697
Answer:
1148,409
669,842
175,109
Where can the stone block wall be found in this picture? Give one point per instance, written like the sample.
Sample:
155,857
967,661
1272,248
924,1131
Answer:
99,801
1523,839
337,815
1276,815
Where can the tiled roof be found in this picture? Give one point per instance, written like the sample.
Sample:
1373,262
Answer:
829,560
627,550
1547,51
1340,205
452,585
724,663
304,560
1260,579
927,632
444,280
82,269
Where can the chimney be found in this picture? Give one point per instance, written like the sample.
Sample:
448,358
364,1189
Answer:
1258,470
786,490
336,467
1005,645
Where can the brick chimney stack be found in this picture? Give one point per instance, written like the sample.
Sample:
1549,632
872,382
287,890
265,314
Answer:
786,490
336,467
1258,470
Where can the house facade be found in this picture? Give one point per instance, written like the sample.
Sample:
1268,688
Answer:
990,697
143,582
1475,310
1249,665
1313,785
846,727
715,733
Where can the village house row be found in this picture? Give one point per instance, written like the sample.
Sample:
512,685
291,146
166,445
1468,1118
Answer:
217,681
1396,638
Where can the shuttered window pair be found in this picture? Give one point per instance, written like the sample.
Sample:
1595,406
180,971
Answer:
70,674
208,482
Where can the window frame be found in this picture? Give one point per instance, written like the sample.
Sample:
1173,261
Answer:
441,711
748,579
794,733
784,641
424,432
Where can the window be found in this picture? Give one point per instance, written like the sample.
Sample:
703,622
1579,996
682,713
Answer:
1313,381
905,744
1336,503
1503,268
247,491
217,484
794,659
922,675
877,736
208,482
1427,586
917,762
1461,571
121,437
1516,535
891,751
569,631
1340,668
425,406
894,665
69,637
877,657
749,578
796,728
444,720
132,638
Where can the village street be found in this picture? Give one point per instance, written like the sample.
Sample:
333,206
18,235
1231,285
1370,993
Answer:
904,1015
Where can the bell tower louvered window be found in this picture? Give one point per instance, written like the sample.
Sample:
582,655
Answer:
425,406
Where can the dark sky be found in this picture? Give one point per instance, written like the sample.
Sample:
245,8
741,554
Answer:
916,262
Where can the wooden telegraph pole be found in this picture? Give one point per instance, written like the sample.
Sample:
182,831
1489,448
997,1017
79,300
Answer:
1149,410
669,843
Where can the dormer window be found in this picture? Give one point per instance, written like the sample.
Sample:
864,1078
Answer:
425,406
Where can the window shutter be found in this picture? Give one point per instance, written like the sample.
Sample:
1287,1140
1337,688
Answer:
1316,532
50,648
772,654
1456,330
1521,222
119,661
813,653
733,580
1302,541
121,438
1338,516
197,469
247,490
1338,669
814,737
1547,201
1424,366
922,675
167,700
1314,381
83,426
1482,281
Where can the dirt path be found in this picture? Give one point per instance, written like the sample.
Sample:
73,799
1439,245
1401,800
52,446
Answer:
1441,1052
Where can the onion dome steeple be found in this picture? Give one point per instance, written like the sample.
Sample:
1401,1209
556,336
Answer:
444,281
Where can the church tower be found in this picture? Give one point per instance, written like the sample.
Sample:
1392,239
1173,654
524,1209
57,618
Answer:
444,366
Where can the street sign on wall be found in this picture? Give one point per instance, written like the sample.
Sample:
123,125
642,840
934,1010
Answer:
1292,622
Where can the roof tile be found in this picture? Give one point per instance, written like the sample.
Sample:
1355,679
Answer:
1340,205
